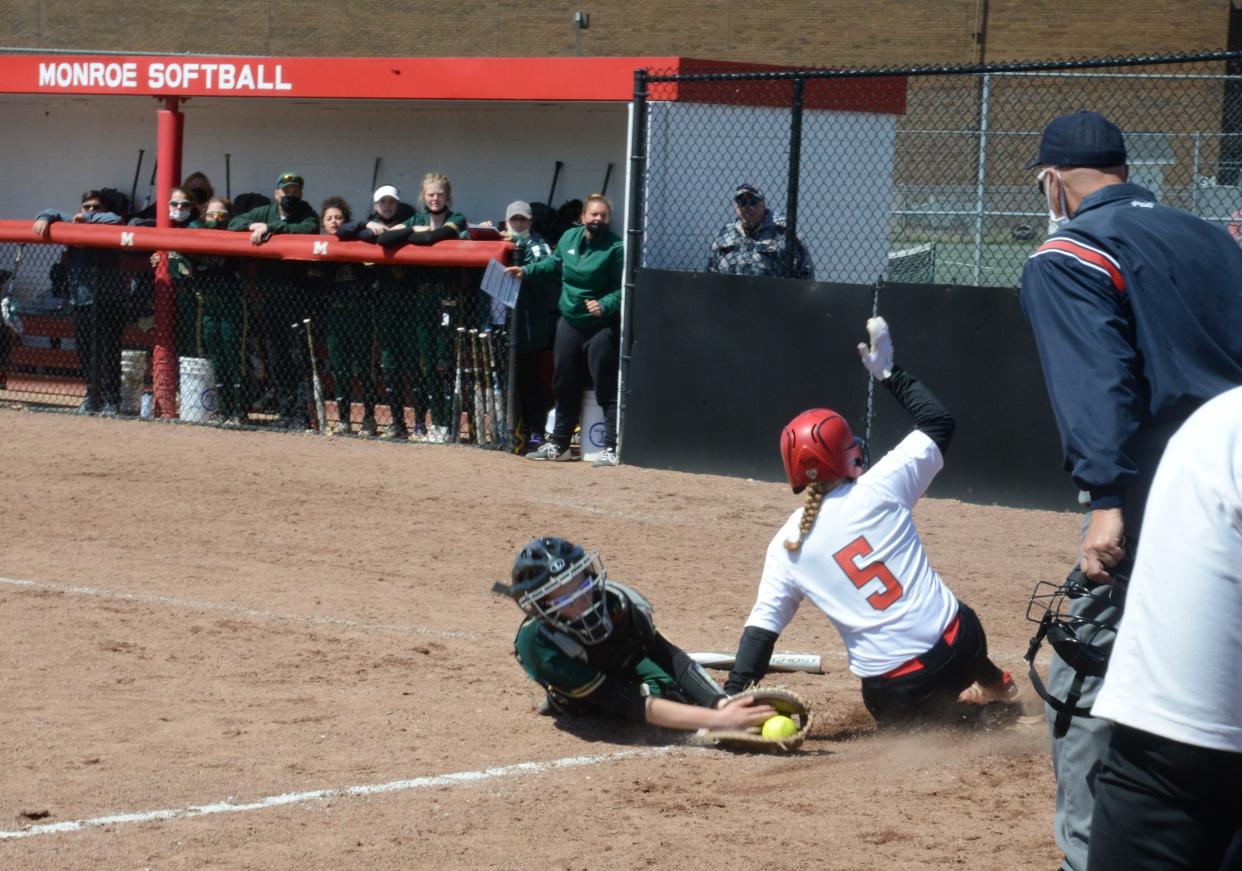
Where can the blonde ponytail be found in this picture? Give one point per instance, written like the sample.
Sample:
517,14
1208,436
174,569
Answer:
810,510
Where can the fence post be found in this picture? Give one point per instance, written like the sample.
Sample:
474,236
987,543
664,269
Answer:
634,233
981,178
795,170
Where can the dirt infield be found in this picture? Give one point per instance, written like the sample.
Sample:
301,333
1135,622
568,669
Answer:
249,624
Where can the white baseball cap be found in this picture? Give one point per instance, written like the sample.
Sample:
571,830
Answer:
386,190
517,207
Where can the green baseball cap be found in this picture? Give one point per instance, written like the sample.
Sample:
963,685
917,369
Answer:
287,178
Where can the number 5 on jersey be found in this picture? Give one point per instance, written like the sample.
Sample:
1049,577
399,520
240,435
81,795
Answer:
864,574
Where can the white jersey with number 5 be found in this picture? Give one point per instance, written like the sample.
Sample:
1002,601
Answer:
864,566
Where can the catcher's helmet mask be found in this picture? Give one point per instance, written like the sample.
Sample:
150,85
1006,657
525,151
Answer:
1082,641
553,578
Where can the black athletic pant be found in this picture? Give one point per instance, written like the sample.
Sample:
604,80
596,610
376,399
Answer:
1160,804
532,395
97,330
930,692
576,352
284,307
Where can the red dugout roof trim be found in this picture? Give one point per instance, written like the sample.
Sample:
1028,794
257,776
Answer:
450,252
555,79
474,78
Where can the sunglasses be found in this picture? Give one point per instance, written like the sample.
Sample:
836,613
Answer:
183,204
217,214
92,207
747,200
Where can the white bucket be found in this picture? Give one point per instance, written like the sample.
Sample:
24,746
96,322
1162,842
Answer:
198,390
591,425
133,374
592,444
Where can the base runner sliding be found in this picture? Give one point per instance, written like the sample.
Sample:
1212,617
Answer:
852,549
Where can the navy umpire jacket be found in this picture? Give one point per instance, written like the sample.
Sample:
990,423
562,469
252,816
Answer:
1137,311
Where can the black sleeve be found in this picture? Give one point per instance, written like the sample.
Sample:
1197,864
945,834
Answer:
351,230
928,412
395,236
754,652
430,237
690,677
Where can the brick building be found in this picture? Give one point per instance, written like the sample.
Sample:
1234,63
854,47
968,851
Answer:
810,32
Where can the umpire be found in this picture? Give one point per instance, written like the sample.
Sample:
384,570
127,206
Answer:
1137,313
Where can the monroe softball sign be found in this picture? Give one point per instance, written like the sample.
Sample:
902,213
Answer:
162,76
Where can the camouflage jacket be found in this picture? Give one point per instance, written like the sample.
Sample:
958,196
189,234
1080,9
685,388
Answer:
736,252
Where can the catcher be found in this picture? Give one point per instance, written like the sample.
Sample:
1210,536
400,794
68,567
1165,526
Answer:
591,643
852,549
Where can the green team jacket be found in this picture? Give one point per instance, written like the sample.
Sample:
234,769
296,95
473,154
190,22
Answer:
423,219
304,220
589,270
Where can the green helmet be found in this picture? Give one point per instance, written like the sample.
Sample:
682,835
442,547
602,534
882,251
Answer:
558,582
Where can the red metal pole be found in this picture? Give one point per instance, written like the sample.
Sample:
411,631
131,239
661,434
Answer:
164,351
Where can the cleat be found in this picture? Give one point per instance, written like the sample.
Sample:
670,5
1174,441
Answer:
1004,691
607,457
551,451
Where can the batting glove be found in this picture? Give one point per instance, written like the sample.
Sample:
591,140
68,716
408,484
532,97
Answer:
8,312
878,358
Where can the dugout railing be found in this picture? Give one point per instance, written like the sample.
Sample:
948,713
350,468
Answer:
303,332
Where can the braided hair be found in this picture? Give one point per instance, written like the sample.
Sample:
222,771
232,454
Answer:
810,510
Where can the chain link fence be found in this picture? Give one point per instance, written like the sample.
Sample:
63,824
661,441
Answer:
394,351
911,175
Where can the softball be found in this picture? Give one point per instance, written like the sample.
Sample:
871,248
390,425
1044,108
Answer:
778,727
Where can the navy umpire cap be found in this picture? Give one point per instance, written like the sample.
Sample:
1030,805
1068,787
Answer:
1081,139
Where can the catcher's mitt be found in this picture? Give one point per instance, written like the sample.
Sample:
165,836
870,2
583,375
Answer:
785,702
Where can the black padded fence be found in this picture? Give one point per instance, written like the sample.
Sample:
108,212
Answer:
720,363
395,351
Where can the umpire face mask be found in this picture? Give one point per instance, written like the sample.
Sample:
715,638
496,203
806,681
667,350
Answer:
1044,180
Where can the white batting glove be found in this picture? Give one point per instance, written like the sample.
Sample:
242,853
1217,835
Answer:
8,313
878,358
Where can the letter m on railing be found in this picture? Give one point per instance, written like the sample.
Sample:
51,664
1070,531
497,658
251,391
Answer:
320,248
127,240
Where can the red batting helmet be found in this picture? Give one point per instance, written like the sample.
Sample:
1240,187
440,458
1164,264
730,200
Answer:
818,445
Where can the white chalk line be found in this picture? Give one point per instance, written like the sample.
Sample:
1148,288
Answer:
152,599
292,798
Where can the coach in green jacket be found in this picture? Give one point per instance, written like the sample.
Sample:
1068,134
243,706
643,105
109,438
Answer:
285,299
590,260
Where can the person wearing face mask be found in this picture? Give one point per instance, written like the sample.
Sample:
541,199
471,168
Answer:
432,320
182,211
285,298
754,244
535,323
590,260
1136,310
